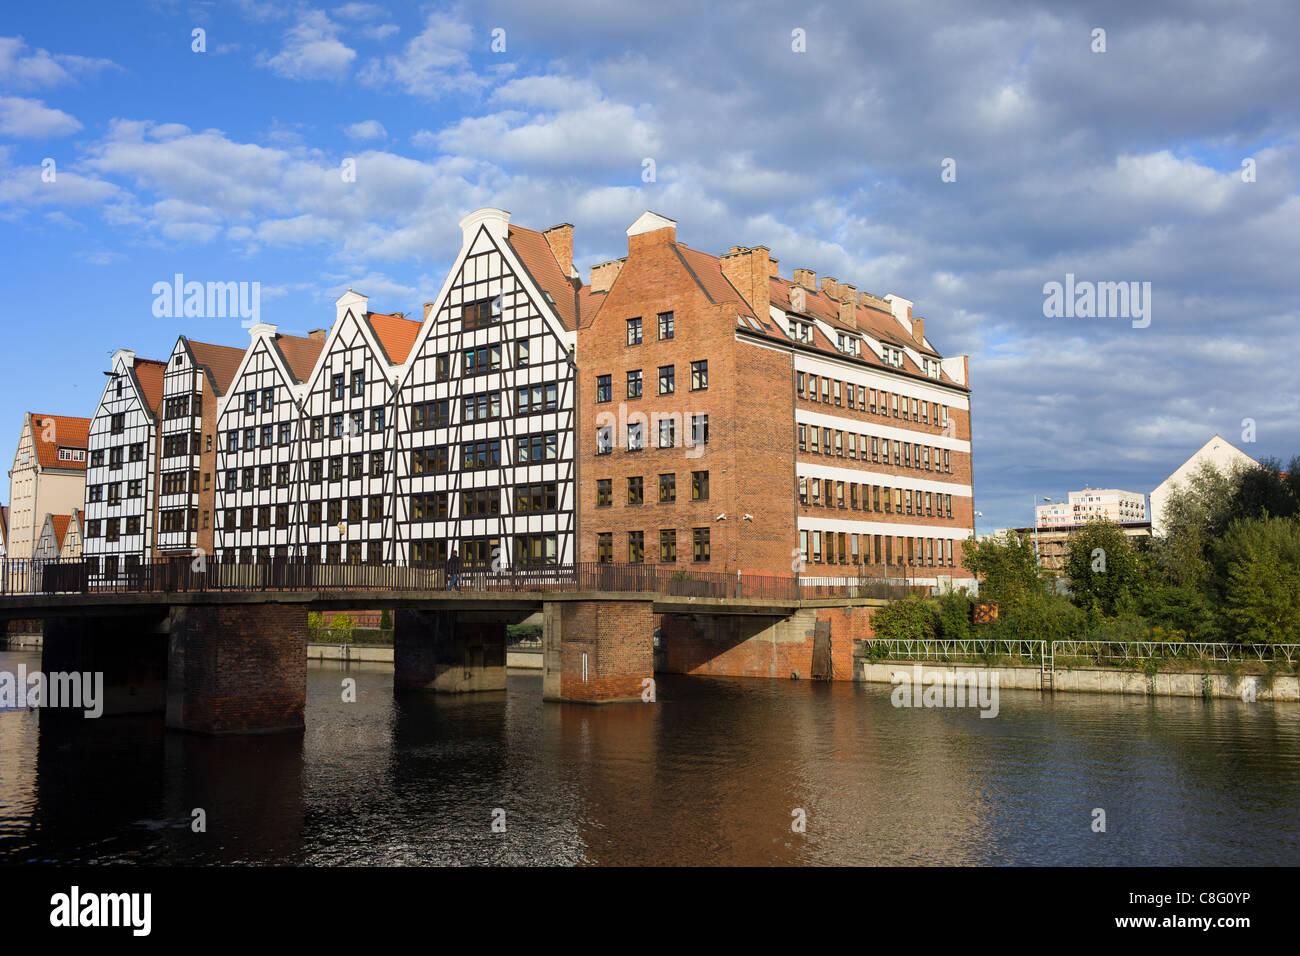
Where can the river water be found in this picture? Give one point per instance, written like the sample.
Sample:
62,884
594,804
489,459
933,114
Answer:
716,771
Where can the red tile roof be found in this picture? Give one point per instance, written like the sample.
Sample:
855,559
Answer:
589,304
69,432
299,353
60,524
149,373
707,271
536,255
221,360
396,334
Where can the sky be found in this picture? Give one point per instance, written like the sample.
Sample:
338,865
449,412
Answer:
962,155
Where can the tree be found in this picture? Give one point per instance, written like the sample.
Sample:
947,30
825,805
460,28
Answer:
1261,490
1261,586
1006,566
1102,566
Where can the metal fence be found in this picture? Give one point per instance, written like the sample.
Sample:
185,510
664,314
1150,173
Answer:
76,576
1101,653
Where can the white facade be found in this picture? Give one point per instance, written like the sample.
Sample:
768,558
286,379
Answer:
1218,452
120,471
1110,504
180,453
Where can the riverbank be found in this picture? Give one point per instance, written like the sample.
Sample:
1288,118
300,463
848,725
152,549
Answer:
516,657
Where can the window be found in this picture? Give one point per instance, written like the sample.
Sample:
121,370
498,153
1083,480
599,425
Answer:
435,414
699,375
604,492
543,447
700,429
667,379
282,516
536,548
336,468
521,353
633,331
313,512
115,458
376,464
486,406
635,436
544,496
803,437
839,398
604,388
481,502
358,383
354,511
480,360
284,433
268,398
667,488
442,368
634,383
699,486
355,466
266,436
604,440
667,433
532,399
803,491
635,547
668,545
665,325
700,544
264,477
605,547
377,419
250,403
480,314
97,459
636,491
476,456
430,460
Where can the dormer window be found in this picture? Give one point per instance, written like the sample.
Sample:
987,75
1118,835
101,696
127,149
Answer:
847,344
801,331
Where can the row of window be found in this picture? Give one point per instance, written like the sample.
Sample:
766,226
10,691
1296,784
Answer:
824,492
636,544
666,328
113,490
537,498
112,528
134,452
839,444
485,406
667,489
667,427
667,381
480,455
827,391
182,444
179,406
839,547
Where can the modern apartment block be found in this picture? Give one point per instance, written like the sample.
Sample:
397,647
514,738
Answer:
1110,504
198,375
733,420
485,429
48,477
261,449
121,474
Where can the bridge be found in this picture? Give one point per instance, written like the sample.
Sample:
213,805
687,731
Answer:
221,648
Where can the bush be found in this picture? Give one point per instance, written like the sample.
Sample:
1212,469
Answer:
340,629
910,618
953,617
386,620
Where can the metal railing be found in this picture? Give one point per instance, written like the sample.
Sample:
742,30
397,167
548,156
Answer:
976,650
1101,653
78,576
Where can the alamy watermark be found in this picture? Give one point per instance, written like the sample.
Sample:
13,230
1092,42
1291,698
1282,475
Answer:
970,688
73,690
1098,300
211,300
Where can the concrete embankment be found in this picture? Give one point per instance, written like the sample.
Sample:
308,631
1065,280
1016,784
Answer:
521,658
1101,680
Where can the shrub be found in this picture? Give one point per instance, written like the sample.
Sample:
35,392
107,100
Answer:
341,629
910,618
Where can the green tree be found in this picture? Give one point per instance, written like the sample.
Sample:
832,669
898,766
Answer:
1260,598
1007,568
341,629
1102,566
909,618
385,620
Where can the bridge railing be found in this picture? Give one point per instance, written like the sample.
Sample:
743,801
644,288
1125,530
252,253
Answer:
188,574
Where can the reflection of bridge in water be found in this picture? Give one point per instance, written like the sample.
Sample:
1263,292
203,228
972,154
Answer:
222,647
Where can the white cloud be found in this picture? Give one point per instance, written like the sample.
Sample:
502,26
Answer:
359,11
21,66
366,129
32,119
432,63
312,50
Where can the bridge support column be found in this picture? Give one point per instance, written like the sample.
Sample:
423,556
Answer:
130,650
597,651
237,669
451,652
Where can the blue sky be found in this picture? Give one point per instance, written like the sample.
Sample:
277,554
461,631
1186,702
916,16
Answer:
1123,165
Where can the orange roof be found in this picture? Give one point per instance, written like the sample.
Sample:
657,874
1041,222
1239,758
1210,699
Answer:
4,524
299,353
220,360
395,333
149,373
60,523
589,304
535,253
707,271
67,432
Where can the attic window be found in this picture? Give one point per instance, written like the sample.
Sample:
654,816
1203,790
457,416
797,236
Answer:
549,298
802,331
847,344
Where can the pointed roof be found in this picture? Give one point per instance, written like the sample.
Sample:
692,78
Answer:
396,334
221,361
149,373
708,274
535,253
299,353
650,222
59,525
69,432
4,525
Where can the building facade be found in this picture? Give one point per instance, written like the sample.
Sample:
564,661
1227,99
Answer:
1110,504
486,463
48,476
1218,452
197,376
121,474
733,420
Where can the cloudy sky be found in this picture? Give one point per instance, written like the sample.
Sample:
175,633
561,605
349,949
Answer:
821,131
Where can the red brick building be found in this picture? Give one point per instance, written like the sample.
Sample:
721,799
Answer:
730,419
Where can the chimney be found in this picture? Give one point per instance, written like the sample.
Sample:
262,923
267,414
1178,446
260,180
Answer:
830,288
918,329
798,298
806,278
560,239
650,228
849,305
318,335
428,307
772,270
747,270
603,275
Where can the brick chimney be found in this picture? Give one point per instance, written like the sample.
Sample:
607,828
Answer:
318,335
918,329
747,270
603,275
560,239
830,288
806,278
428,307
650,229
849,305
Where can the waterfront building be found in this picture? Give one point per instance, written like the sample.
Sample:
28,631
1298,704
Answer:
261,448
486,461
121,474
1218,452
4,531
60,537
1111,504
734,420
198,375
48,476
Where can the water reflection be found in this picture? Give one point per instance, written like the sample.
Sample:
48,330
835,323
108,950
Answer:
711,773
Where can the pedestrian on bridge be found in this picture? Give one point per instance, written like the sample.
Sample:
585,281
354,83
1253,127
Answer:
453,571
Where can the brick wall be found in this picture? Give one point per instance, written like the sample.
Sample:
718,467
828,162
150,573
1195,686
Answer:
618,640
237,669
